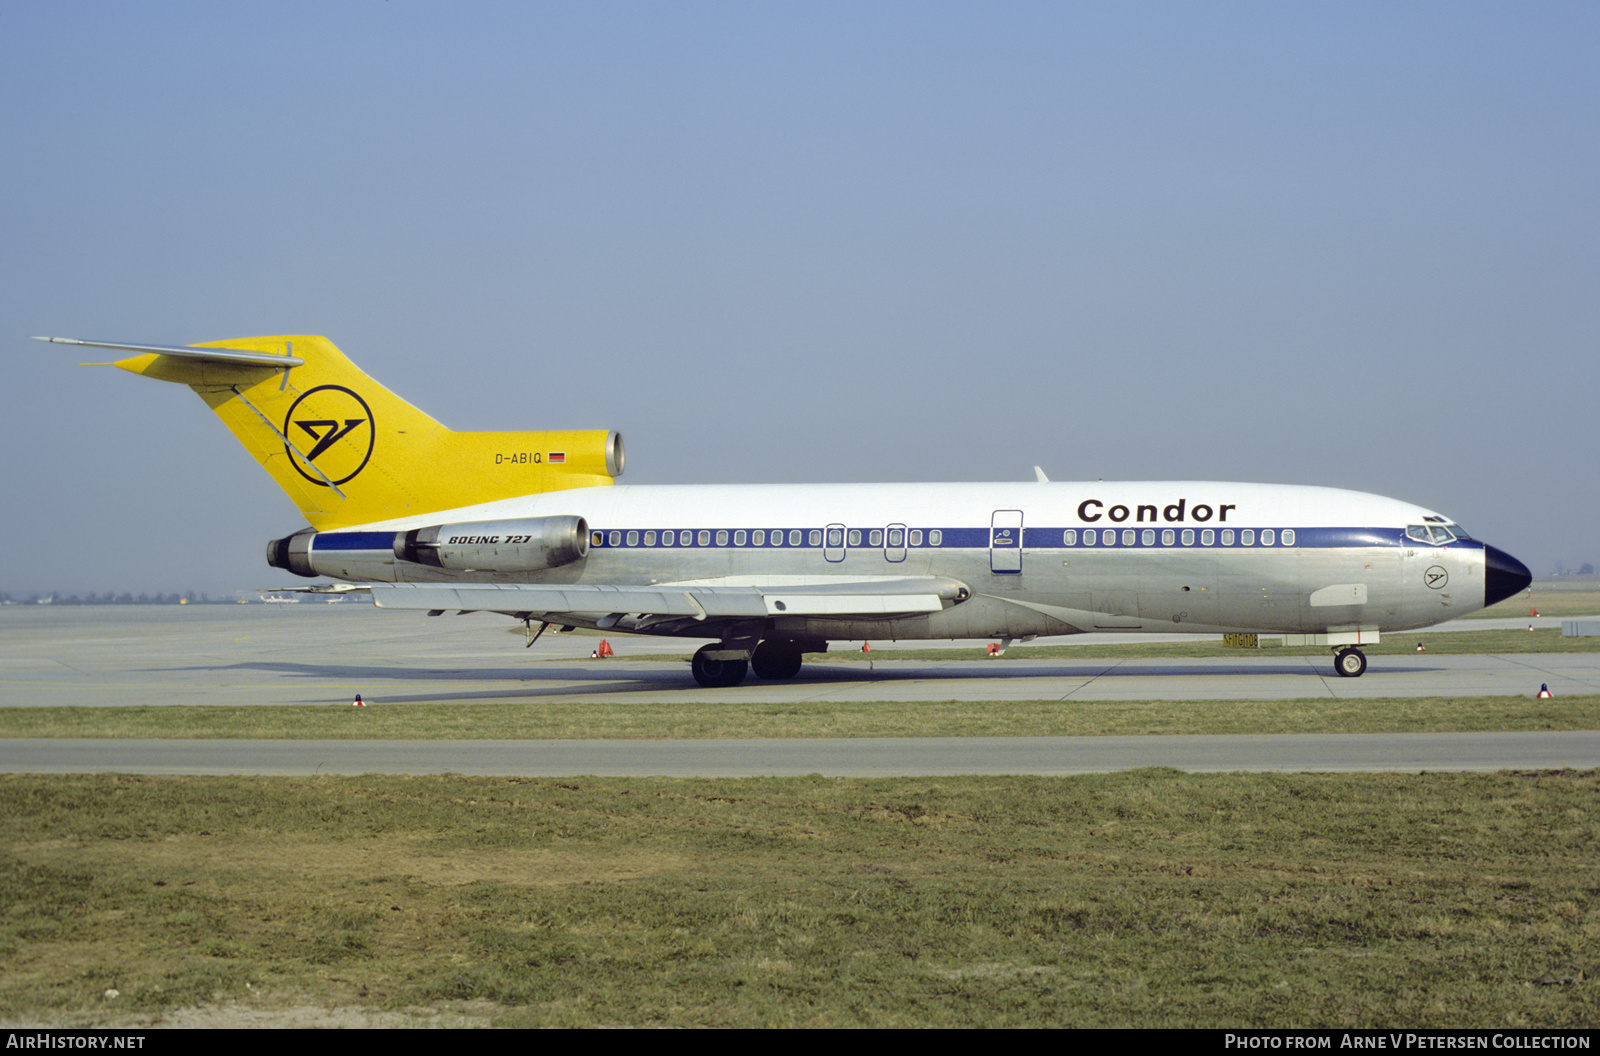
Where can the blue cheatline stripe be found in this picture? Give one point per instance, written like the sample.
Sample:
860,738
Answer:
963,539
954,538
1034,538
1054,538
354,541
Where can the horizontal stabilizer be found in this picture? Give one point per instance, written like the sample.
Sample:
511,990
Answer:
210,355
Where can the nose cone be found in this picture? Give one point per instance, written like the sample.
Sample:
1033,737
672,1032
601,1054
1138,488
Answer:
1503,576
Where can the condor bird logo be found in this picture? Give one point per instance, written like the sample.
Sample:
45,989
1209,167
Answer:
331,428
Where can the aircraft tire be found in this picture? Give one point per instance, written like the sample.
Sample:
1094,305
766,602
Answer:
1350,663
717,674
776,660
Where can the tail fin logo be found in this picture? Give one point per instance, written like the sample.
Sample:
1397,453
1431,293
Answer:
331,428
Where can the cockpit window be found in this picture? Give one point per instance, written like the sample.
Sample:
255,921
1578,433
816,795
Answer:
1430,534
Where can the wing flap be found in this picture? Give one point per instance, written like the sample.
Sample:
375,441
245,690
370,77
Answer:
698,601
518,597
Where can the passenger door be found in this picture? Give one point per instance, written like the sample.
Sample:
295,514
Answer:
1005,542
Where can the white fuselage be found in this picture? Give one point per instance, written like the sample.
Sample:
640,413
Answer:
1039,558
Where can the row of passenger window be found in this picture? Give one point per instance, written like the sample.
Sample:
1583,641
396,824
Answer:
897,536
1172,537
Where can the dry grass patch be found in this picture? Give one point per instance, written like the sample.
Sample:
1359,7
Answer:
1148,898
722,719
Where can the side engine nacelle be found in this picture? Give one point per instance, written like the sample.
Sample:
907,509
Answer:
526,545
292,553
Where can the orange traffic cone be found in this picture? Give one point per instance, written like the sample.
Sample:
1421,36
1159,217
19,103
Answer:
605,648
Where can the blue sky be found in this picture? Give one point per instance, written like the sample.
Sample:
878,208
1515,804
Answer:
1348,244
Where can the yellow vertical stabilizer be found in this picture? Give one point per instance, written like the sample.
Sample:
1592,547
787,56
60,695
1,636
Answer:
348,451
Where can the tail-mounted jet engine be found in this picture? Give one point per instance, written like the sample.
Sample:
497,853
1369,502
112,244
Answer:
292,553
526,545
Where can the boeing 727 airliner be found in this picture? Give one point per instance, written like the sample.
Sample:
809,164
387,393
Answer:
529,524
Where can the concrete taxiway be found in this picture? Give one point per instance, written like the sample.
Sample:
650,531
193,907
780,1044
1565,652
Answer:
319,654
325,654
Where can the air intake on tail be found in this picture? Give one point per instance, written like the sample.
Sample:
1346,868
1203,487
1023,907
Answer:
293,553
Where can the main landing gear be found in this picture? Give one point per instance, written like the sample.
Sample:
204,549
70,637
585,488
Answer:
717,674
776,660
1350,663
771,660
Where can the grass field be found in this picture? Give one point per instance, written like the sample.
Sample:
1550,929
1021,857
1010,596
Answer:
1549,599
700,719
1149,898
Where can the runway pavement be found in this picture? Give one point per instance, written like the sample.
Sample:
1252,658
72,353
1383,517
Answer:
320,654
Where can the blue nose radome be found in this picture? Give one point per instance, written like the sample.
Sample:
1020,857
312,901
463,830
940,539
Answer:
1503,576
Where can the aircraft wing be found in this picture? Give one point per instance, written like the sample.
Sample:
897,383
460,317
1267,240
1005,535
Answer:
698,601
317,588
